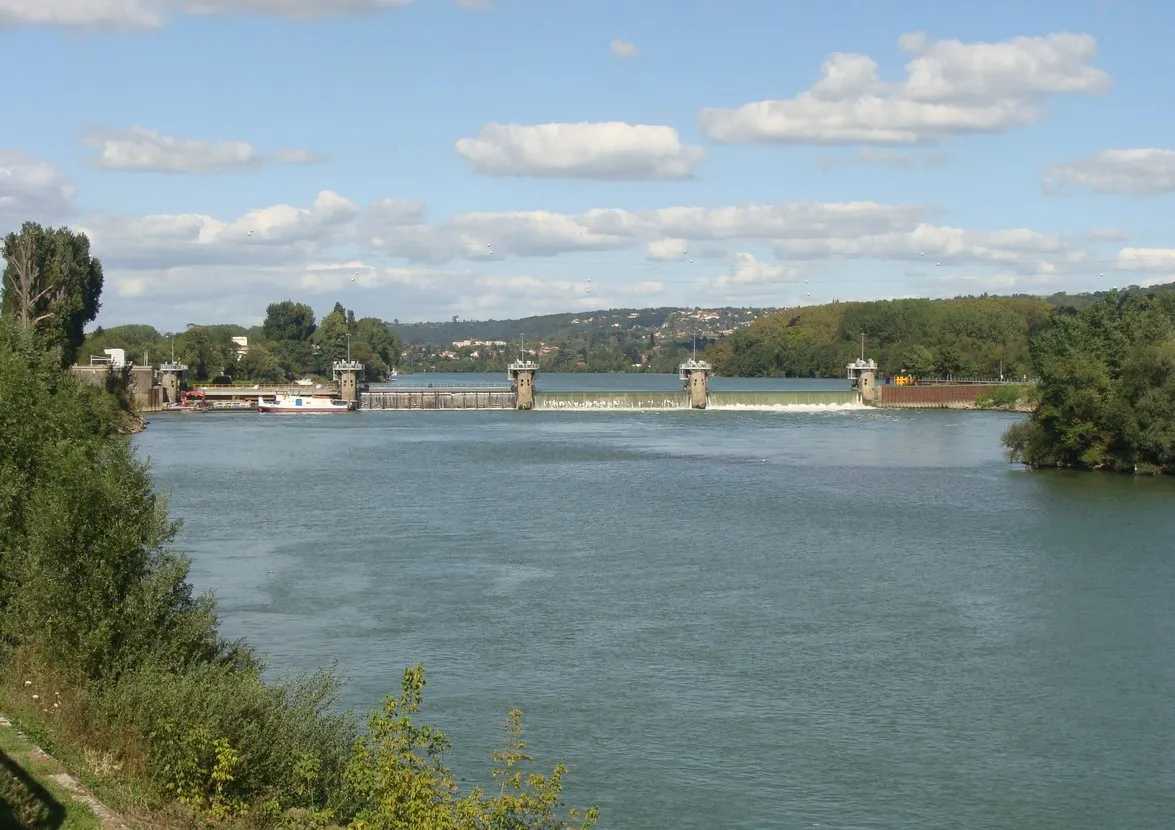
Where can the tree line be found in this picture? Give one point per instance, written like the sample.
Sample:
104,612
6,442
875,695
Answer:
967,336
1106,395
112,660
289,344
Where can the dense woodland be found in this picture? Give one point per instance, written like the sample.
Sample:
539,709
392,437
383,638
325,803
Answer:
972,336
1107,387
109,659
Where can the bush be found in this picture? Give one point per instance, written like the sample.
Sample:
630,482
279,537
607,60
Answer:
1006,396
94,606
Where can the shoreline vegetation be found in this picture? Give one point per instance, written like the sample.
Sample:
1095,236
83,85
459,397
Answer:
983,336
111,662
1106,390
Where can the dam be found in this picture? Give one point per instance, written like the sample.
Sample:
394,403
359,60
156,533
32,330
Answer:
520,391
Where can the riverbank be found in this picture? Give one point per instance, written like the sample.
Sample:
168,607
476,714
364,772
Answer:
36,791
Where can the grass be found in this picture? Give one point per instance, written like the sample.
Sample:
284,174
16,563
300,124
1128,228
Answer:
28,799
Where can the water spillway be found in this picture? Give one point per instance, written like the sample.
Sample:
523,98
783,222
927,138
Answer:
833,399
438,398
612,400
846,399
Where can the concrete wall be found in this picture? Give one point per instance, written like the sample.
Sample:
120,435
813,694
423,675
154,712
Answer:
145,395
698,389
931,397
524,389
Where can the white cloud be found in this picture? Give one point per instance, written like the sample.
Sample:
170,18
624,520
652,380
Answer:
81,14
1146,259
474,5
624,50
951,88
31,189
1135,172
469,263
152,14
143,150
746,278
136,148
612,151
1027,251
668,250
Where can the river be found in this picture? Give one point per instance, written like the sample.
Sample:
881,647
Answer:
721,619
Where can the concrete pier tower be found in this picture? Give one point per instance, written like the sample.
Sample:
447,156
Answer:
346,374
863,374
522,375
172,374
696,374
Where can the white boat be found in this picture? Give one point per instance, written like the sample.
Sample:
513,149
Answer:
301,405
304,382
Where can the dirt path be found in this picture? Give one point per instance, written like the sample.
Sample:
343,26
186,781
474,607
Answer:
107,817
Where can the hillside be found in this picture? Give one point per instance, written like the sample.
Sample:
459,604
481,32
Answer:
574,325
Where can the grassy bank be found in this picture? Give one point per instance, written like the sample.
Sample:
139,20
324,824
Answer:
113,663
29,798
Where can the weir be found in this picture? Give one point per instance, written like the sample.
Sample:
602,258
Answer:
734,400
439,398
612,400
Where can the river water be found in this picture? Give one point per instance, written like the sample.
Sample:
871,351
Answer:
722,619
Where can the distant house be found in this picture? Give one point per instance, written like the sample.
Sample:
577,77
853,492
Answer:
242,345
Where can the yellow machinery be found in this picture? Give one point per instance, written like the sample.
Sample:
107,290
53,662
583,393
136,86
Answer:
903,380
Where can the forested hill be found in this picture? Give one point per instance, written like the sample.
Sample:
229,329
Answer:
568,325
967,336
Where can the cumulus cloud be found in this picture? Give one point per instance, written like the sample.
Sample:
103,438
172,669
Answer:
624,50
31,189
136,148
140,149
951,88
612,151
1136,172
469,263
668,250
152,14
1024,250
1146,259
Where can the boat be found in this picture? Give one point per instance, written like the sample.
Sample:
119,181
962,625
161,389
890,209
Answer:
304,382
301,404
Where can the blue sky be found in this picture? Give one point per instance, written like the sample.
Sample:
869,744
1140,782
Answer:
224,154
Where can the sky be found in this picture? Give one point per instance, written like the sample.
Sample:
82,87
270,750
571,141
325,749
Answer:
425,159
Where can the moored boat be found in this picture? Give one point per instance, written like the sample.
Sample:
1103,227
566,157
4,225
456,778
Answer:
301,404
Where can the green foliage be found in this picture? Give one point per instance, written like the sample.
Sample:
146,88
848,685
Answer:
999,397
974,336
261,364
29,797
288,321
1106,397
397,778
51,284
95,606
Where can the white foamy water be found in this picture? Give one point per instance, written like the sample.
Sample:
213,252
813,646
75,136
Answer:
790,407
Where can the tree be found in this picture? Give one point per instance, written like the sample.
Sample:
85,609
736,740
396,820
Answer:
1107,388
288,321
52,284
918,360
259,363
205,357
331,338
